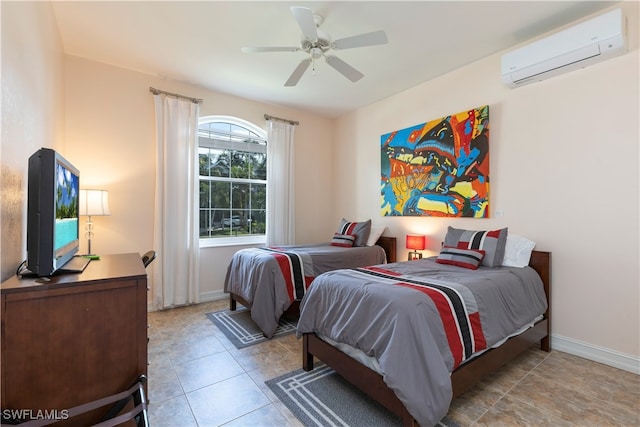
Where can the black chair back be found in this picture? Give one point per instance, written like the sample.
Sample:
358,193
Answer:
148,257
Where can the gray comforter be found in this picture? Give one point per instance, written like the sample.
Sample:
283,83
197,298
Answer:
261,277
389,314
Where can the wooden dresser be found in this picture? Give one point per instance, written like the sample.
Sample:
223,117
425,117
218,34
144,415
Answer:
75,338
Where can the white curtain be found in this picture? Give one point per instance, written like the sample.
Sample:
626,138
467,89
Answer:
280,183
175,272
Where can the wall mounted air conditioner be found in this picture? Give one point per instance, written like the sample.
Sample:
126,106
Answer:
576,47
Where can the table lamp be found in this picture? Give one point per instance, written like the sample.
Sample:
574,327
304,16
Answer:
415,243
93,203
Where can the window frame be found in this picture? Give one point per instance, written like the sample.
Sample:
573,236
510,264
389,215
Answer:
231,240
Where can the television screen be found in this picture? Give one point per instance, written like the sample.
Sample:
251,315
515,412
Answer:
67,193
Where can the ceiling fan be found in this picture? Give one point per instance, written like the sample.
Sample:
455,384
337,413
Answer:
318,43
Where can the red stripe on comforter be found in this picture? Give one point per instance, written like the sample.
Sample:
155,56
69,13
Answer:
448,318
285,268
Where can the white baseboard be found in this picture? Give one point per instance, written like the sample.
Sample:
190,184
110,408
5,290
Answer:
204,297
596,353
213,296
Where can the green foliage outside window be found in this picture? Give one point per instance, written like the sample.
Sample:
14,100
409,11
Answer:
233,183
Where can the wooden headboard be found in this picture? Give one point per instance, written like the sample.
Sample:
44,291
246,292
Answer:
541,262
389,246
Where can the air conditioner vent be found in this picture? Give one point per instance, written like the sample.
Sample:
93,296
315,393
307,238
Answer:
575,47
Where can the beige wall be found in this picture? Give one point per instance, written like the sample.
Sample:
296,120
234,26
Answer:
564,172
32,113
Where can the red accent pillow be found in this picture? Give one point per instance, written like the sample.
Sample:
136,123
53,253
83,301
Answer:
360,229
343,240
466,258
492,242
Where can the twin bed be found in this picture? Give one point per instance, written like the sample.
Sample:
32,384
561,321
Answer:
272,281
412,335
380,328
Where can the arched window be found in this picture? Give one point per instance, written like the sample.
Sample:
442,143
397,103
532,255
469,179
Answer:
233,181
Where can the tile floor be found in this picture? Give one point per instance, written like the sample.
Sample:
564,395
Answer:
198,378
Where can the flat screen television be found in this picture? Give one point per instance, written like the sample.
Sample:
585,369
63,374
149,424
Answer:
52,212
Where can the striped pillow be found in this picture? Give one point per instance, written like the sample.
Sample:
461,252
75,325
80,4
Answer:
343,240
491,242
467,258
360,229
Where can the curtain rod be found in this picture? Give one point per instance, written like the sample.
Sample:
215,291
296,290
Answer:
158,92
292,122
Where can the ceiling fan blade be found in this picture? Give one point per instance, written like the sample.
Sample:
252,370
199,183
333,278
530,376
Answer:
298,72
362,40
307,24
343,68
269,49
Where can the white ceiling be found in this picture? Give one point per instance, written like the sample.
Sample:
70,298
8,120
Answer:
199,42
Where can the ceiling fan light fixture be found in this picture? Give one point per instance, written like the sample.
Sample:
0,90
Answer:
323,41
316,53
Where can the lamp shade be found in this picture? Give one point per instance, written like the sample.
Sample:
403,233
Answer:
417,243
94,202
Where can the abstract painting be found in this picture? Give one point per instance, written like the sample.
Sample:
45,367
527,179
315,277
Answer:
438,168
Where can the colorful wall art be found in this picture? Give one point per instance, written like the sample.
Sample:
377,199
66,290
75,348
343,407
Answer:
438,168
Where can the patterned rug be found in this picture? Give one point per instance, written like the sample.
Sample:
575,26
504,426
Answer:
241,329
321,397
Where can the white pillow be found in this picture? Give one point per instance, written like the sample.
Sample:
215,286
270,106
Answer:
517,251
374,235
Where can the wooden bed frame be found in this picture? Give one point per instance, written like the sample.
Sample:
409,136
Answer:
463,378
385,242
